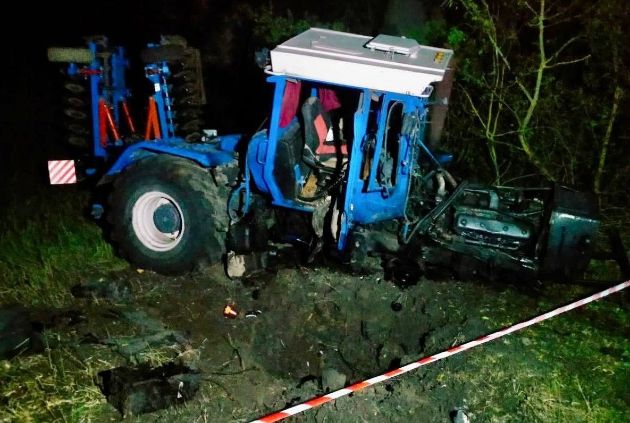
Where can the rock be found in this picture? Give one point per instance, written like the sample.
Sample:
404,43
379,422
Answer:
134,391
332,379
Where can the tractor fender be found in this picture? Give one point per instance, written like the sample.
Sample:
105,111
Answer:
205,155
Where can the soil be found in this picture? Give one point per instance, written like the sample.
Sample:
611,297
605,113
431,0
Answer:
300,332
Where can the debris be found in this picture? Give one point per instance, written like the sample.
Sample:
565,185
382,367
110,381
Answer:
253,313
230,311
16,332
130,348
235,265
245,265
152,334
143,389
459,416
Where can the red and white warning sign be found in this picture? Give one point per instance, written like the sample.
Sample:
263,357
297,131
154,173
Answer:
62,172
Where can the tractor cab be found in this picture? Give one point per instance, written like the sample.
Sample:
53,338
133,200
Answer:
347,122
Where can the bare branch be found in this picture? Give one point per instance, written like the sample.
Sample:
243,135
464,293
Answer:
490,31
504,103
568,62
557,22
473,107
531,9
524,89
569,9
562,47
503,134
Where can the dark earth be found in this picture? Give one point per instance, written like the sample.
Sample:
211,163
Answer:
301,332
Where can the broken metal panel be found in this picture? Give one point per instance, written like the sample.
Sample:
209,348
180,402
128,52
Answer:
573,225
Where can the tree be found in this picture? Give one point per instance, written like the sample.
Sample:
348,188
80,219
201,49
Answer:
607,40
521,44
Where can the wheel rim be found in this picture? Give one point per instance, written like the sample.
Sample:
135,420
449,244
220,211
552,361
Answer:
151,206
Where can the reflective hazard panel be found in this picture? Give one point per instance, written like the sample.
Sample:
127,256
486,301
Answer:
62,172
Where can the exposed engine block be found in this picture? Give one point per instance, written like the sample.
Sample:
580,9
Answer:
492,228
548,231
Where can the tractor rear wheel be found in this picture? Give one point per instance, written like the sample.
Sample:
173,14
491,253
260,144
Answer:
168,215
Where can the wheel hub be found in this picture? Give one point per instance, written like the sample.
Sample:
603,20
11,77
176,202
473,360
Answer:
167,219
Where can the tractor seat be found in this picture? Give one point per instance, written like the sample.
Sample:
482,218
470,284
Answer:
303,156
317,124
289,164
319,143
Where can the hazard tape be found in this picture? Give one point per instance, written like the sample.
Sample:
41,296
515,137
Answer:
62,172
315,402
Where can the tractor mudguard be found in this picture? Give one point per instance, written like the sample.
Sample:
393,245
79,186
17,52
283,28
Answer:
220,151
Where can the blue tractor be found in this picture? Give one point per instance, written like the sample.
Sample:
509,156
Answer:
341,169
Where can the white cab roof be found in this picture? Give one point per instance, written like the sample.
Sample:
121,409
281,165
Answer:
382,63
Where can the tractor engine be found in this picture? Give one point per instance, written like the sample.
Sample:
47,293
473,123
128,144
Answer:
536,232
487,219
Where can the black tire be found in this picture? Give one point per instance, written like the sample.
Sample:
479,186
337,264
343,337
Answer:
198,236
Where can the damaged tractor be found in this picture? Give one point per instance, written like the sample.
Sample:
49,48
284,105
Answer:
342,169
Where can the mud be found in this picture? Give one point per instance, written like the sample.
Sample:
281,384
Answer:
298,332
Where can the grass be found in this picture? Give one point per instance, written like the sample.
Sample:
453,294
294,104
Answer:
57,385
574,368
46,245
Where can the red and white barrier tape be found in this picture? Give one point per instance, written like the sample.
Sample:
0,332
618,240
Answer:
62,172
315,402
